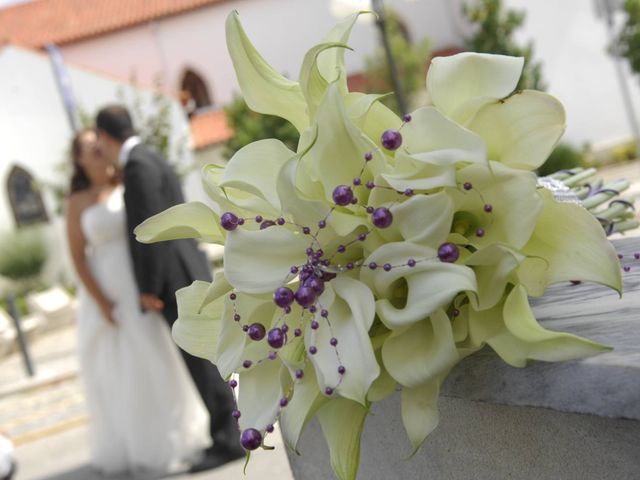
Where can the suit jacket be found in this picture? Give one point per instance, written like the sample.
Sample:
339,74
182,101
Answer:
151,186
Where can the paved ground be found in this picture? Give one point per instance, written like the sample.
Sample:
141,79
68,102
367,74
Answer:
46,417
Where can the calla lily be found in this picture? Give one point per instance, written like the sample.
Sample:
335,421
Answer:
382,251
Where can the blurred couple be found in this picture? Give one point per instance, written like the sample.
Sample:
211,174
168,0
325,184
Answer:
151,409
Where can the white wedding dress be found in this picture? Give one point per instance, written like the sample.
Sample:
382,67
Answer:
145,412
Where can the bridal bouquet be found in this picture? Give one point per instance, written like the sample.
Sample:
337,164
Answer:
384,250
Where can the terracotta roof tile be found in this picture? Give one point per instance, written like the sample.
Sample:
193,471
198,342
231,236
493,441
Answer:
36,23
209,128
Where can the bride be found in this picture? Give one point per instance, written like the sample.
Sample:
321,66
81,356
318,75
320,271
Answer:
145,412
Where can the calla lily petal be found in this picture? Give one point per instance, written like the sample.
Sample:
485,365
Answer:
259,401
187,220
420,414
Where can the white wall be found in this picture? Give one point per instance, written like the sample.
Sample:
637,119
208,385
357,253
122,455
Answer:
282,30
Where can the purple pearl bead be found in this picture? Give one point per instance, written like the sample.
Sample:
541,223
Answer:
342,195
636,256
287,309
341,248
250,439
245,328
333,341
370,185
297,332
350,266
341,370
312,309
387,267
267,224
370,210
299,374
236,317
272,355
233,296
626,268
368,156
305,296
294,270
411,262
280,221
467,186
620,256
233,384
328,391
229,221
306,230
407,117
354,200
488,208
391,139
256,331
315,284
408,192
247,363
480,232
455,312
324,313
382,217
448,252
275,338
258,218
322,224
283,297
269,428
373,265
236,414
357,181
313,350
309,251
362,237
314,325
285,327
284,402
241,221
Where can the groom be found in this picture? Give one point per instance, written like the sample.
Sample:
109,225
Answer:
151,186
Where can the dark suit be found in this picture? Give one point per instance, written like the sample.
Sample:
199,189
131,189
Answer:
151,186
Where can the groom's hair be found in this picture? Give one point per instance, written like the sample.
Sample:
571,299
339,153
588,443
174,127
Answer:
115,121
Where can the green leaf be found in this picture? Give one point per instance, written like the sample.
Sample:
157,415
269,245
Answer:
187,220
342,422
264,89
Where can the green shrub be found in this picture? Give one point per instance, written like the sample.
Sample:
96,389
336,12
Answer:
563,157
23,254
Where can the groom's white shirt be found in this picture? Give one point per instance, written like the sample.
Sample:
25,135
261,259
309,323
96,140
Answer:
126,148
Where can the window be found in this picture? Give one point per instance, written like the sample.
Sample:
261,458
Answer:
25,198
194,92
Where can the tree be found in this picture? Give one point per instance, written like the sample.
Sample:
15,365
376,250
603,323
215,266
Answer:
495,26
627,43
411,61
249,126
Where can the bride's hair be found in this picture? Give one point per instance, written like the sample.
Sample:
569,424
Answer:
79,178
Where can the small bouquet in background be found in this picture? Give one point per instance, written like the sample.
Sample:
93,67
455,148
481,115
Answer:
383,250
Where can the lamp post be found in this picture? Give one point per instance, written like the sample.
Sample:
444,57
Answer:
381,22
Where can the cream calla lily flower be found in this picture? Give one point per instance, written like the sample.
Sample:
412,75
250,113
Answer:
383,250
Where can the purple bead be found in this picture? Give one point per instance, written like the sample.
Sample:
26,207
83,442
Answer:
368,156
370,185
236,317
283,297
324,313
250,439
258,218
341,248
313,350
315,284
387,267
306,230
305,296
455,312
333,341
285,327
280,221
408,192
297,332
233,296
229,221
284,402
328,276
247,363
488,208
467,186
341,370
391,139
448,252
294,270
322,224
636,256
287,309
370,210
309,251
299,374
362,237
411,262
354,200
357,181
626,268
328,391
245,328
236,414
312,309
241,221
256,331
406,118
275,338
314,325
272,355
480,232
382,217
350,266
267,224
342,195
269,428
373,265
319,252
233,384
620,256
